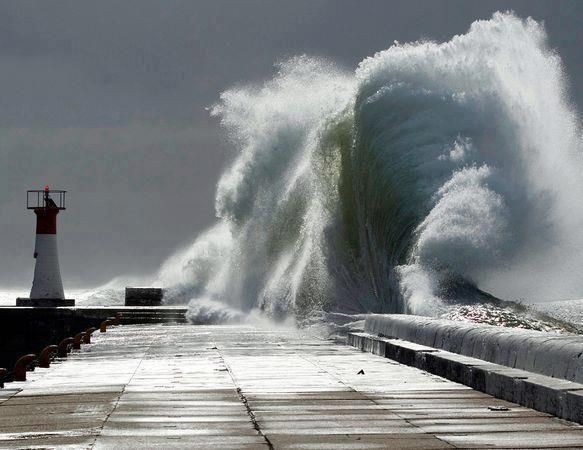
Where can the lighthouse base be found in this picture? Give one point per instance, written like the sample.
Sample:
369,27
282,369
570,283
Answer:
45,302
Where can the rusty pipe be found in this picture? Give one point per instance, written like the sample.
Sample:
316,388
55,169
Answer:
64,346
104,324
44,359
78,339
88,333
22,365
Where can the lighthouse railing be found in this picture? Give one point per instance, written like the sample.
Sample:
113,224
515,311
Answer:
36,199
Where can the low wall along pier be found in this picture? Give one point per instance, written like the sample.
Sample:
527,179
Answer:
540,370
26,330
554,355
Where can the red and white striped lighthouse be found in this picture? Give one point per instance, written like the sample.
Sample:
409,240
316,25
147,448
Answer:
47,287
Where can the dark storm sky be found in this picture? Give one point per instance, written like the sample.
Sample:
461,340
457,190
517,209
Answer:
107,100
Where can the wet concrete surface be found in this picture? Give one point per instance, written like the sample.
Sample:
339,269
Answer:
181,386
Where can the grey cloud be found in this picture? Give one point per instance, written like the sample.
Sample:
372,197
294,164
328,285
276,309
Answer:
107,99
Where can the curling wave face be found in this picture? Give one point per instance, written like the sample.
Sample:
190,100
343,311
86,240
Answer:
432,170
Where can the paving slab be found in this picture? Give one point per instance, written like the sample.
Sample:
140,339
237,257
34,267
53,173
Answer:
240,387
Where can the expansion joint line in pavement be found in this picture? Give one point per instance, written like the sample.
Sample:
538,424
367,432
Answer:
341,381
243,399
121,394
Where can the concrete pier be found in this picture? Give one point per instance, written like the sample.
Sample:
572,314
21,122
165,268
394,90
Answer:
181,386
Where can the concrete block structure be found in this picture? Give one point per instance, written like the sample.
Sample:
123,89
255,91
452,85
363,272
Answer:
136,296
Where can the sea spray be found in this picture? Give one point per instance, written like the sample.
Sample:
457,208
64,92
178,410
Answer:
432,171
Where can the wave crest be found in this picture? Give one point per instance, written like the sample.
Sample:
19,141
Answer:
371,191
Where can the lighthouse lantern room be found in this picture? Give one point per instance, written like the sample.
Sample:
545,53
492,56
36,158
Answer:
47,287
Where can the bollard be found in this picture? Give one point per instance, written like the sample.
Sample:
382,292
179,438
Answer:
22,365
78,339
44,359
64,346
88,333
104,324
2,377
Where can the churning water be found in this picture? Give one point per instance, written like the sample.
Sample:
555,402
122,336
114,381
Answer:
430,171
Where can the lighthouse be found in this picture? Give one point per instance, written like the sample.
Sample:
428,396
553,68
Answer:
47,287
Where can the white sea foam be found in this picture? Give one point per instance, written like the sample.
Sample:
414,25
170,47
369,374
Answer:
367,191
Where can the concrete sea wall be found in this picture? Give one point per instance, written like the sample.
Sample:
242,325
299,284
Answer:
538,370
553,355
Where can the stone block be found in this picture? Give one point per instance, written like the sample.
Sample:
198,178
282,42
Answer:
143,296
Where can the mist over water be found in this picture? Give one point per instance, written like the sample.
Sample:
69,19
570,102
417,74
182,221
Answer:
379,189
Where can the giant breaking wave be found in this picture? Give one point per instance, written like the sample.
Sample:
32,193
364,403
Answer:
431,173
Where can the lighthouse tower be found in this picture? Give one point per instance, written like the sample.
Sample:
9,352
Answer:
47,287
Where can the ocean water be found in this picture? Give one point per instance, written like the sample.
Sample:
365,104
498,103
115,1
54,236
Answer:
101,296
427,175
567,310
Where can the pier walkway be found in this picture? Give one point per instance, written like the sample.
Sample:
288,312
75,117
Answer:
181,386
